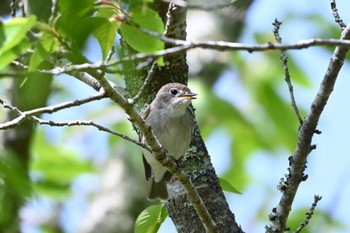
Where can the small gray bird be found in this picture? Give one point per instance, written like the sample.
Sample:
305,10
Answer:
172,122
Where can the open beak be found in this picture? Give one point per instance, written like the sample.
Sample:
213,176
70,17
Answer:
190,96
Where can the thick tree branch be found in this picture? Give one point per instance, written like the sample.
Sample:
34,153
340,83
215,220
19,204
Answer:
304,147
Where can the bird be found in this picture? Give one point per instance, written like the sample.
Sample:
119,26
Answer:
172,121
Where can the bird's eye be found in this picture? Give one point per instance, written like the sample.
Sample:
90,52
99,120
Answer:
173,91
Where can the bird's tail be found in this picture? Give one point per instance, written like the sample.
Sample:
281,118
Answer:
158,190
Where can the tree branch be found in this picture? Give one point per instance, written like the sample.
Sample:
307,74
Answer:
211,7
89,123
54,108
49,109
232,46
308,214
183,45
298,160
284,60
336,15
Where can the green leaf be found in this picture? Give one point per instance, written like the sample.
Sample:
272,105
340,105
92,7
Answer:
148,19
40,8
73,21
280,113
8,56
298,75
14,31
46,45
150,219
226,186
53,162
55,166
53,189
12,175
105,33
13,40
75,6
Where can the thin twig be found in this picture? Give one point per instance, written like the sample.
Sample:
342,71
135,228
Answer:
31,114
308,214
231,46
284,60
54,10
89,123
203,7
150,74
49,109
336,15
19,64
183,45
13,6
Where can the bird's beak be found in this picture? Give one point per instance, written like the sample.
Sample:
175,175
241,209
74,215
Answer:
189,96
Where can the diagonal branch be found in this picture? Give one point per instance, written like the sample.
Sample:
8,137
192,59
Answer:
306,133
336,15
309,214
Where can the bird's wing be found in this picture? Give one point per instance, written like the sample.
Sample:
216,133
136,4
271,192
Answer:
148,170
146,112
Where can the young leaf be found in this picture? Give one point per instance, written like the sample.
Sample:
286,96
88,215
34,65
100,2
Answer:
148,19
8,56
73,22
105,33
150,219
226,186
75,6
55,166
14,31
46,45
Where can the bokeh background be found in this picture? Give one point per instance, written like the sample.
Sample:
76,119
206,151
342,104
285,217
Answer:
88,181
